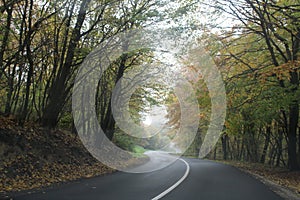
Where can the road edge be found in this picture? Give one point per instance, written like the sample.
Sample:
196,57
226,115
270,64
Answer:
283,192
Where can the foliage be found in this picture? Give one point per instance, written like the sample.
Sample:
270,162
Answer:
258,57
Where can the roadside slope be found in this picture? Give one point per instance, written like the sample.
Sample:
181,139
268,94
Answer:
32,157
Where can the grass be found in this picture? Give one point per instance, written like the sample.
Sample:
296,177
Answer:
138,151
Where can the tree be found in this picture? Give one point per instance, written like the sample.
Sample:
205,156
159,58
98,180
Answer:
264,44
131,14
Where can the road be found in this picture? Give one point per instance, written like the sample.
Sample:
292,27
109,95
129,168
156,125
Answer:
204,180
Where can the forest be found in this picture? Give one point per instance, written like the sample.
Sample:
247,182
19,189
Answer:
254,44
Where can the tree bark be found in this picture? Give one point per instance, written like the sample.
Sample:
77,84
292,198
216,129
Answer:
108,124
292,137
224,139
58,91
266,145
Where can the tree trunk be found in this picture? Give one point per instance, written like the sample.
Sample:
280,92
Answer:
299,141
30,71
292,137
266,145
224,145
58,91
5,39
279,148
108,125
293,124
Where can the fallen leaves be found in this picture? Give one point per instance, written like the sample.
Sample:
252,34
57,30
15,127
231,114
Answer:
34,157
280,176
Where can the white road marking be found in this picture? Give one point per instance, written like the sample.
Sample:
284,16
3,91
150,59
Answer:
164,193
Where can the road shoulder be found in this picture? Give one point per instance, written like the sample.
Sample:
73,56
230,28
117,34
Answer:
283,190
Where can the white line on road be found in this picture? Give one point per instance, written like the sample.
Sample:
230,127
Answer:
161,195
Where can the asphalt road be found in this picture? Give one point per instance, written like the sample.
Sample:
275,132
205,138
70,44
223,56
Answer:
205,180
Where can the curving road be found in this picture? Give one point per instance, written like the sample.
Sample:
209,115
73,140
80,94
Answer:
190,179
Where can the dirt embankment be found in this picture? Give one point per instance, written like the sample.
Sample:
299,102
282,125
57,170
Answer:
32,157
